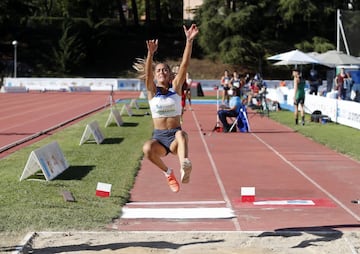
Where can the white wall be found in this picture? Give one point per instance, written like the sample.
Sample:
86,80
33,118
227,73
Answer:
95,84
340,111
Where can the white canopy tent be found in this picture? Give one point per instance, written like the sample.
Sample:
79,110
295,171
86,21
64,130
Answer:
332,58
293,57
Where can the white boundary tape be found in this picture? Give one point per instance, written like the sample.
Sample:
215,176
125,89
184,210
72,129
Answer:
177,213
179,203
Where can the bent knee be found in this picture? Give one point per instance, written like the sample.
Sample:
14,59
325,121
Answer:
147,148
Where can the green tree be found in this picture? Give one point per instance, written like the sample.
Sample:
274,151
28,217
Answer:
232,32
310,21
70,50
318,44
159,12
14,13
121,12
246,32
147,12
135,12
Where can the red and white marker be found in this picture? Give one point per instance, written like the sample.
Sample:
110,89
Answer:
103,189
247,194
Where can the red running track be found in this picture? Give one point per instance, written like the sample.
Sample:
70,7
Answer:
30,116
278,162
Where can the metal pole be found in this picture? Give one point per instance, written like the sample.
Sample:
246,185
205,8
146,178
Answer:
15,57
337,30
344,37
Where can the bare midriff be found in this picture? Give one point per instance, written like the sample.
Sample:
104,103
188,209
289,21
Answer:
166,123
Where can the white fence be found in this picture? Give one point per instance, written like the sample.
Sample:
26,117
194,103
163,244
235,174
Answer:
340,111
73,84
343,112
98,84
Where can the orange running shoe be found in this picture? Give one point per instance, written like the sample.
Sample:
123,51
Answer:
186,168
173,183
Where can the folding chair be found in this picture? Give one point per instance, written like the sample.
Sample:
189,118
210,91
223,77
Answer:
241,121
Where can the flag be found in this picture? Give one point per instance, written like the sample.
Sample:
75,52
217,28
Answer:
103,189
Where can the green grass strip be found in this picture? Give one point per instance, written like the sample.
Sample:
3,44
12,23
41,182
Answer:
338,137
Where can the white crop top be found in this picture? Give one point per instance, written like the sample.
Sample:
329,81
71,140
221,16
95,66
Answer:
165,105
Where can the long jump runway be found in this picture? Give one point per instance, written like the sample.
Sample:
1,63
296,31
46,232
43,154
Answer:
299,184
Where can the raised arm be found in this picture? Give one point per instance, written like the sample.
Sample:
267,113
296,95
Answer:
152,46
181,76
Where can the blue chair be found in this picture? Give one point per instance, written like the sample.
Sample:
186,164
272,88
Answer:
241,121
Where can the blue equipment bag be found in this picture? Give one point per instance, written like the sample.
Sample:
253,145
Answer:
243,122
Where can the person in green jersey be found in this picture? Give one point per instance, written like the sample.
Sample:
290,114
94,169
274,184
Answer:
299,96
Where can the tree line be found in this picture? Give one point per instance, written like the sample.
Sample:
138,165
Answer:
102,37
246,32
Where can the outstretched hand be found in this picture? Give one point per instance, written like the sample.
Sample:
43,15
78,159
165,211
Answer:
152,46
191,32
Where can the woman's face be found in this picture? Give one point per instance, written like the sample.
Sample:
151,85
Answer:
162,73
295,74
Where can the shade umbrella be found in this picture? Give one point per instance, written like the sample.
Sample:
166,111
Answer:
284,62
294,57
333,58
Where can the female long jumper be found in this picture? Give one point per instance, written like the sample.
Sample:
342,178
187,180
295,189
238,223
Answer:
164,95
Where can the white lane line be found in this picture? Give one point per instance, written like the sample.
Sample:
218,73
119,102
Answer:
307,177
178,203
177,213
285,202
216,172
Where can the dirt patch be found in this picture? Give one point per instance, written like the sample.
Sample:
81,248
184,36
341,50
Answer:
195,242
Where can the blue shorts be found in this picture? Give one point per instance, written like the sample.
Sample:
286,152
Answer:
165,137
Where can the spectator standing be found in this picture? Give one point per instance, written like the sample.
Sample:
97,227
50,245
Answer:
225,83
339,84
314,82
348,85
244,87
235,80
299,96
